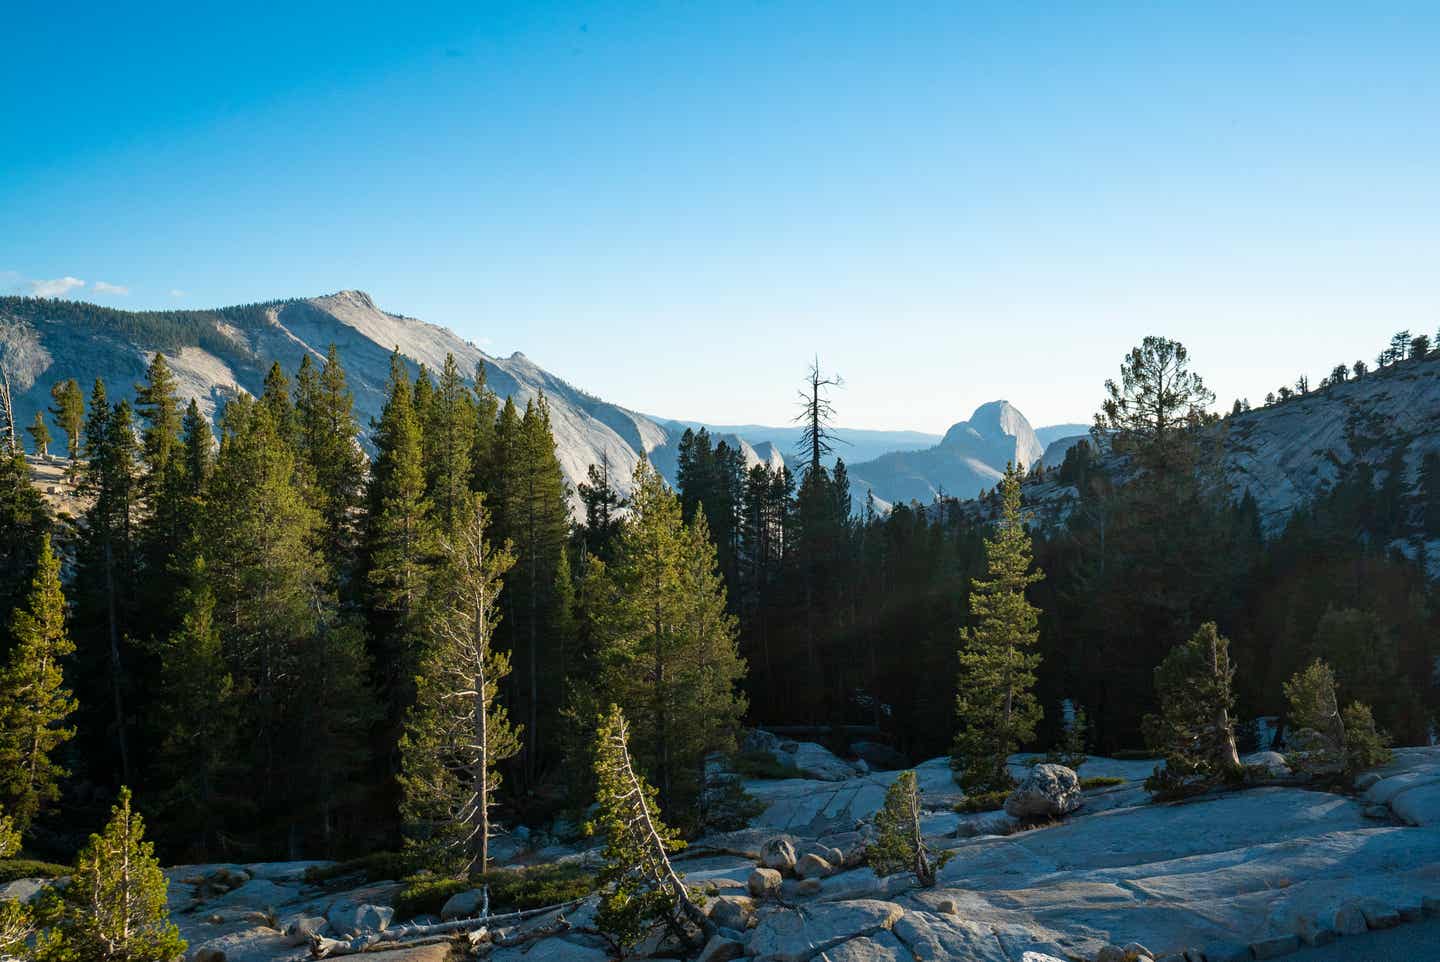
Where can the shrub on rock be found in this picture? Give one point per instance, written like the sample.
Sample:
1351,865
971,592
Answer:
1365,745
899,845
1328,739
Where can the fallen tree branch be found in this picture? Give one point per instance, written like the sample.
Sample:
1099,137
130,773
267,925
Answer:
484,939
322,947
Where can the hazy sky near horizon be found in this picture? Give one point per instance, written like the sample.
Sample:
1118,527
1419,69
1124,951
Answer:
676,205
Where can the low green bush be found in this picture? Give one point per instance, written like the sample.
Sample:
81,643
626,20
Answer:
982,802
426,896
760,764
375,867
1101,781
511,889
13,868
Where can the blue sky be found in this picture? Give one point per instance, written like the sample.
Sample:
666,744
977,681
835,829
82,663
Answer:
675,205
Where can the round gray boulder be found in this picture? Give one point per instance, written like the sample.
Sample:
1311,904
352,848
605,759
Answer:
1049,791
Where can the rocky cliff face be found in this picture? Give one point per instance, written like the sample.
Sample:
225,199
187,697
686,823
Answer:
217,354
1290,453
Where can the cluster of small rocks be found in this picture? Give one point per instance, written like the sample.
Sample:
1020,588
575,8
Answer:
789,869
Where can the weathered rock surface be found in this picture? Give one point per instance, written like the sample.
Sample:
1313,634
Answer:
783,935
1242,875
349,918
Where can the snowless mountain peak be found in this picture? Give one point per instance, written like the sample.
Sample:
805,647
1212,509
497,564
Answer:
997,426
971,457
218,354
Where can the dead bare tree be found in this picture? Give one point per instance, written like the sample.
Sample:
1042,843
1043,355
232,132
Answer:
8,443
457,732
817,415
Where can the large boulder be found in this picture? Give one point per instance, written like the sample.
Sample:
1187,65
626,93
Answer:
1272,762
1049,791
812,866
764,882
779,853
350,918
732,912
880,947
723,946
462,905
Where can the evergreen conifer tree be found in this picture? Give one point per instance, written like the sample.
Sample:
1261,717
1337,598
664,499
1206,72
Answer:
166,525
1193,730
276,400
603,504
483,452
399,542
899,845
200,717
1366,746
537,522
995,702
24,520
39,436
640,887
34,702
199,451
15,915
275,617
1313,706
115,906
449,420
458,732
666,643
325,415
106,582
69,415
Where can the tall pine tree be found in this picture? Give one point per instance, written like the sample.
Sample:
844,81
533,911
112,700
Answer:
458,732
398,544
34,702
666,643
995,702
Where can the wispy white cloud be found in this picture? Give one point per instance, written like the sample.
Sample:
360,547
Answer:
102,287
58,287
176,292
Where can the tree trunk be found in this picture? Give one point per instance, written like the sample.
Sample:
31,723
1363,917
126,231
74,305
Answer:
115,668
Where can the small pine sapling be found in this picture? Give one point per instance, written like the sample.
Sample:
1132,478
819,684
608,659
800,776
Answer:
899,845
1318,729
114,909
15,921
1365,745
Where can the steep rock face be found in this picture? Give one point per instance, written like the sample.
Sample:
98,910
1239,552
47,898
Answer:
972,456
217,354
1288,454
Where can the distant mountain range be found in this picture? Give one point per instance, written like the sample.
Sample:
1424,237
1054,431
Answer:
218,353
